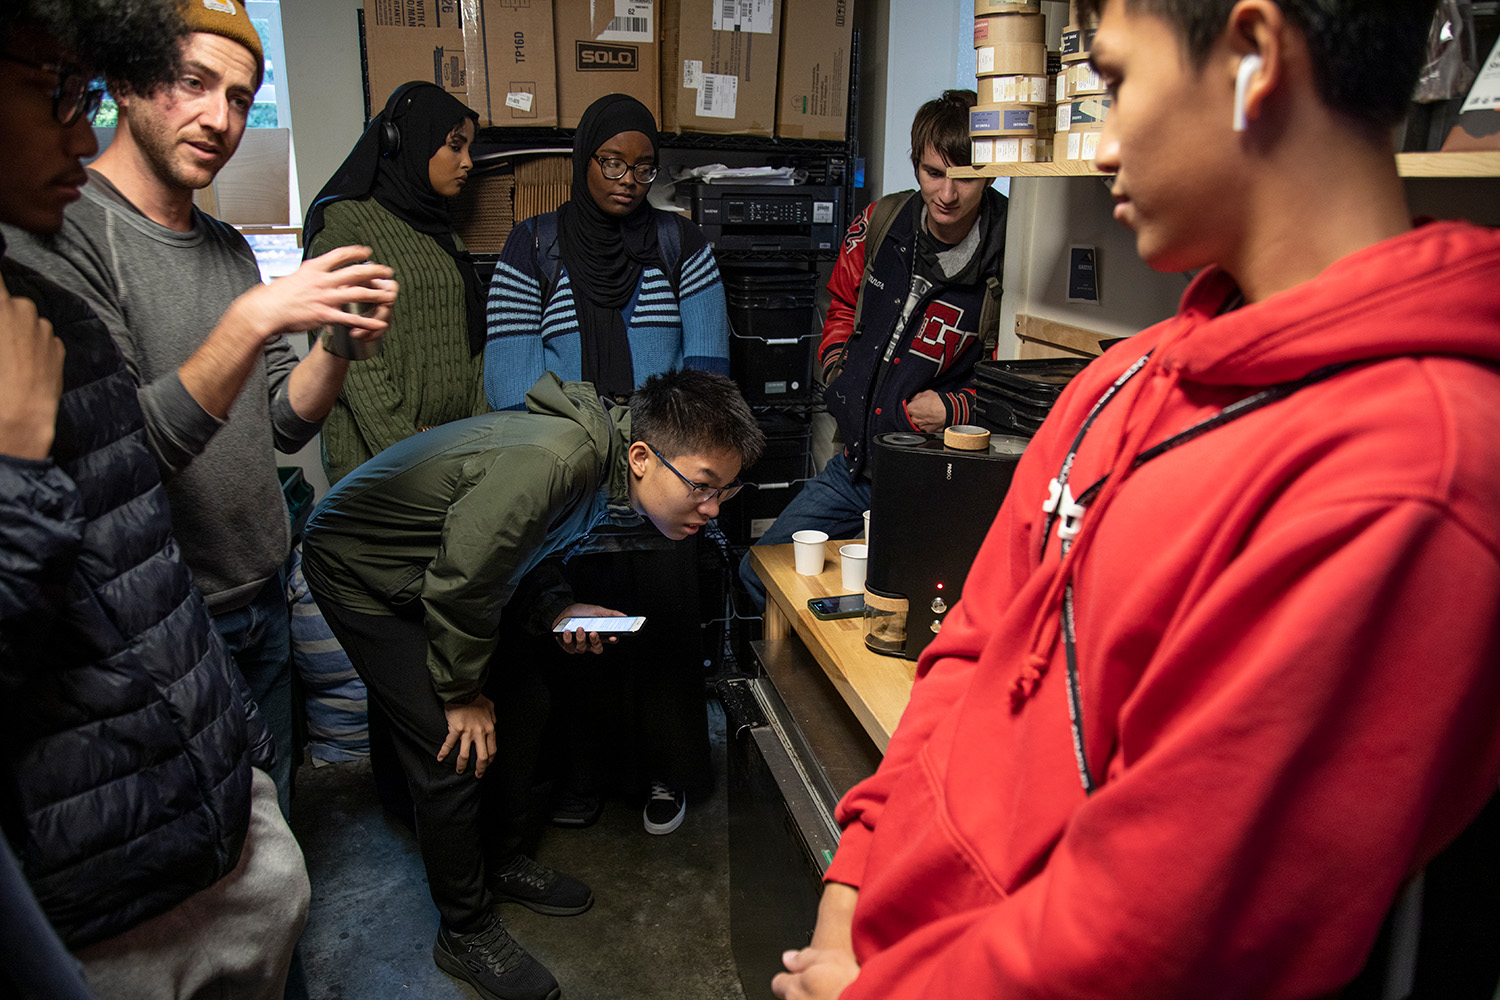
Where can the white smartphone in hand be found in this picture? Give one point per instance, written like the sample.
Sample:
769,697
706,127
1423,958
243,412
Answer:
600,624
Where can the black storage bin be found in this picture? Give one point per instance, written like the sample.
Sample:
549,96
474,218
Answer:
773,481
772,339
1014,397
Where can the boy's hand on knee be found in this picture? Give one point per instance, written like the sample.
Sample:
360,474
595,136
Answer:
470,727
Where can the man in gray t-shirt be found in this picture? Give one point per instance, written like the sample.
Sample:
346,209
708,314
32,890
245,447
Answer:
220,387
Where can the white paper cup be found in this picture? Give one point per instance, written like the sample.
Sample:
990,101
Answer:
807,548
852,560
867,527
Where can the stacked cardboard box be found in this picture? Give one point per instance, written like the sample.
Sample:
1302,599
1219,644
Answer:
494,55
718,66
1081,102
414,40
1010,50
605,48
757,67
812,93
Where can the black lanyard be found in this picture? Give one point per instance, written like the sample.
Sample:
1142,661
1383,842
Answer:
1062,507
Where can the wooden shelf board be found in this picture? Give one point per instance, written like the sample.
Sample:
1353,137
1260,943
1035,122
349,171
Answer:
1448,164
1058,168
1408,164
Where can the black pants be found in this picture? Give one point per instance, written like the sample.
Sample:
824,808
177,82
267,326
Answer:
463,823
638,712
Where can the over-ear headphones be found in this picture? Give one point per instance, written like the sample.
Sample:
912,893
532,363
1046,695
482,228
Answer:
1249,66
390,133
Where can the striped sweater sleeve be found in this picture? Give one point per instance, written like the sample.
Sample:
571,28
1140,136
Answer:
705,316
513,323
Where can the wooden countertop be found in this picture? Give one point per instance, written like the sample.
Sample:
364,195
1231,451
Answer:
875,687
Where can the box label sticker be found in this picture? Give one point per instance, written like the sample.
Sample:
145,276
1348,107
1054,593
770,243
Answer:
449,70
692,74
984,59
1064,116
519,100
718,96
744,15
1013,121
822,213
1485,94
600,57
633,22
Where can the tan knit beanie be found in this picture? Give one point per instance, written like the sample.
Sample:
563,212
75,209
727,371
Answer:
227,18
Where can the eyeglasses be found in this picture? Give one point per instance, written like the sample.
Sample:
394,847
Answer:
78,94
702,492
614,168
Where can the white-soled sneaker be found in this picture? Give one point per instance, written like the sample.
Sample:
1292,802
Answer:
664,809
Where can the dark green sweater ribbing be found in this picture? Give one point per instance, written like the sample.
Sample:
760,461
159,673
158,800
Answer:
423,375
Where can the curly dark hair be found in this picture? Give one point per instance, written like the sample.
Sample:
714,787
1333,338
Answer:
131,41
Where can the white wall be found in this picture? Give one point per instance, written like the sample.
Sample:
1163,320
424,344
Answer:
325,84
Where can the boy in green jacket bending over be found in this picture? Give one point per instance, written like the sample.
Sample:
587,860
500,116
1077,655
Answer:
415,554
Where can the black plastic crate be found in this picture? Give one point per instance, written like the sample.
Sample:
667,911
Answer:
773,481
772,336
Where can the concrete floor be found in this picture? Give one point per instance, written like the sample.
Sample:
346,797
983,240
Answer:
659,927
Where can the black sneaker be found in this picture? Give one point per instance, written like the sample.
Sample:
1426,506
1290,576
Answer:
576,809
664,809
537,887
490,961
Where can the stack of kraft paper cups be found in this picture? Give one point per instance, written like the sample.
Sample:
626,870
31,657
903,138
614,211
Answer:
1081,101
1012,121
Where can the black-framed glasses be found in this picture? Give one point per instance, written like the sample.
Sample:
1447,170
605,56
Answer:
614,168
702,492
78,93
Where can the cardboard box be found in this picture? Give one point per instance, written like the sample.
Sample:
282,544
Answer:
513,46
812,95
414,40
718,74
604,47
1009,29
982,7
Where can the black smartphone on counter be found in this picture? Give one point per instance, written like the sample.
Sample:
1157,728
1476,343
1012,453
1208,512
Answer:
843,606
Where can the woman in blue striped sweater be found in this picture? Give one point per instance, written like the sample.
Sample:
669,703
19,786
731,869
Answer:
606,289
609,290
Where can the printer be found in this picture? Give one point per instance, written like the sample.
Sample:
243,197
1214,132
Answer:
769,217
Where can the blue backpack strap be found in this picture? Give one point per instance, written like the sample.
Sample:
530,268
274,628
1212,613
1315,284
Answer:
548,254
669,248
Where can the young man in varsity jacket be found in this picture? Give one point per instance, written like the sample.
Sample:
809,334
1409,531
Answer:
903,329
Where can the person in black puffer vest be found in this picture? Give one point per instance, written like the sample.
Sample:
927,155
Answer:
133,784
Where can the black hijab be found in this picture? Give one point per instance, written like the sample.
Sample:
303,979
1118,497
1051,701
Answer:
423,115
604,255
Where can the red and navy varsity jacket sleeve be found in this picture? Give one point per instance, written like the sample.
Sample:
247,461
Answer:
843,290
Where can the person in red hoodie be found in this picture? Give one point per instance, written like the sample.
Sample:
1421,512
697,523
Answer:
1224,674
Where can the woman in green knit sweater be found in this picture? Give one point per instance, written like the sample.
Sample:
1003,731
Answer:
391,195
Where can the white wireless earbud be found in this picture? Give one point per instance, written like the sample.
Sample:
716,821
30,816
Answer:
1248,67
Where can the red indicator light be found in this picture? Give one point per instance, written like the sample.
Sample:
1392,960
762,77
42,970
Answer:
940,586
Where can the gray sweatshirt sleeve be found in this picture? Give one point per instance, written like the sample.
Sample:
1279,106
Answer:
290,431
177,428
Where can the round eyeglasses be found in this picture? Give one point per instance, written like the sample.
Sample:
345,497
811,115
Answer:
702,492
614,168
78,94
